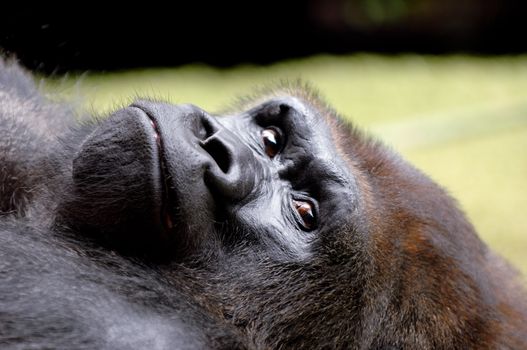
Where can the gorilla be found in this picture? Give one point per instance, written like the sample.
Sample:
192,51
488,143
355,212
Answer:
278,225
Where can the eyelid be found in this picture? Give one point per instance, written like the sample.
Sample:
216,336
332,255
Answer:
298,218
280,139
274,128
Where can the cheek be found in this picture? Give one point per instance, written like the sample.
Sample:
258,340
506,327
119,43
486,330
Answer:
271,227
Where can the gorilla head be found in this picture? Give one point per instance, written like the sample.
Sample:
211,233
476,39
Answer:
277,225
180,181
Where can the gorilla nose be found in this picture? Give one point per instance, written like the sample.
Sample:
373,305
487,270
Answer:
233,170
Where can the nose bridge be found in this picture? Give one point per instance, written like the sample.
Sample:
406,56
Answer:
234,170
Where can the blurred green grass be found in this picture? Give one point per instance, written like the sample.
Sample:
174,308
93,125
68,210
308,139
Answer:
461,119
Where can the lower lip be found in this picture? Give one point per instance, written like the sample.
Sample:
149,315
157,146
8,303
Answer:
156,133
167,221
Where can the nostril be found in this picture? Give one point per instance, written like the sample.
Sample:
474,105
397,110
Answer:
231,170
206,129
218,152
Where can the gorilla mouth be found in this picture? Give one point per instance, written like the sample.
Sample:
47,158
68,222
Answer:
165,205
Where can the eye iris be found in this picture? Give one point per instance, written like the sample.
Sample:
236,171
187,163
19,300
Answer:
305,209
272,142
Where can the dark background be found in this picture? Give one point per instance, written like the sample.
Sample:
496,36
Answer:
221,33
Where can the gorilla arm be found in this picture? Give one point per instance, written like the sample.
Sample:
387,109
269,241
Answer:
59,293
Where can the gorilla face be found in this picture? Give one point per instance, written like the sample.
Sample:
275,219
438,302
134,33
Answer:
177,179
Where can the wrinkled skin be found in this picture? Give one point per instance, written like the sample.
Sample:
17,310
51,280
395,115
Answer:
276,225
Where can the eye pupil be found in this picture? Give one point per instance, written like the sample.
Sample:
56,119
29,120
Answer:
272,141
305,210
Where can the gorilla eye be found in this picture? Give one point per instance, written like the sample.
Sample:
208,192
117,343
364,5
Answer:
306,213
272,139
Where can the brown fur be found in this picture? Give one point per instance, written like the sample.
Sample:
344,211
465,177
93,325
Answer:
427,281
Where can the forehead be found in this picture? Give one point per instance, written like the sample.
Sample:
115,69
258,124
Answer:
322,124
322,136
329,136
